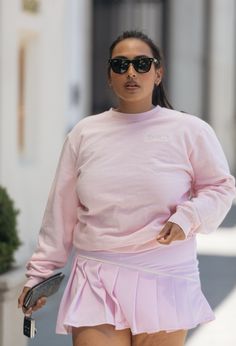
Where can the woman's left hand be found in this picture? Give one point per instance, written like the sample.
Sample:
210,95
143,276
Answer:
169,233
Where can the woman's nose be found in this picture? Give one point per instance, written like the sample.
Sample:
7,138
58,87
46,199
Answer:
131,71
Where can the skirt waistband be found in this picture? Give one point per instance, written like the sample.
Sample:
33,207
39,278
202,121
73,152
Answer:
146,262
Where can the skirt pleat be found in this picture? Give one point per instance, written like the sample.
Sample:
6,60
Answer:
105,293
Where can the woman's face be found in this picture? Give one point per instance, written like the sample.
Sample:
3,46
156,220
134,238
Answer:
134,89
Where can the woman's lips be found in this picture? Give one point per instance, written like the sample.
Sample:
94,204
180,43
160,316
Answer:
131,85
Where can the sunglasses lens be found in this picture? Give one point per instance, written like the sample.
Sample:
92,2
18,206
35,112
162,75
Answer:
119,65
142,65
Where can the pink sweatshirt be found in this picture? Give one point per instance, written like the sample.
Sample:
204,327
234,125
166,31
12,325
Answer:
121,177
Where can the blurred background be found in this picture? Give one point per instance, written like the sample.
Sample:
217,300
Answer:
53,72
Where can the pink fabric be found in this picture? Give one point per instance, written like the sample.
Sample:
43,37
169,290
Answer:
150,291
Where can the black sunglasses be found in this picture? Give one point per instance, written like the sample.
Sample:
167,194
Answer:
141,65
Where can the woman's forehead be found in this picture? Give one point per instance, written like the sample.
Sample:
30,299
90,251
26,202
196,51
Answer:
132,47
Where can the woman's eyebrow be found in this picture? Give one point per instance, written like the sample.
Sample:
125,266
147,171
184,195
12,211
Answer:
141,56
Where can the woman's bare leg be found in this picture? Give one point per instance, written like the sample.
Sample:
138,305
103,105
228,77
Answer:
160,339
102,335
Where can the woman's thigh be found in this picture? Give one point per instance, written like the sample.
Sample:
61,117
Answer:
160,339
102,335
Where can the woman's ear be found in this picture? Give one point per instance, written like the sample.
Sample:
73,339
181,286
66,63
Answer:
159,75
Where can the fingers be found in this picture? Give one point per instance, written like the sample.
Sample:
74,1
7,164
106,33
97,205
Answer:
22,296
169,233
39,304
165,231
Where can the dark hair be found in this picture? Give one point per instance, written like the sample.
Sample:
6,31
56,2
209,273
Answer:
159,95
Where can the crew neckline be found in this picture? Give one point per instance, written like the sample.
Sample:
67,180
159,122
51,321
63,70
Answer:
134,117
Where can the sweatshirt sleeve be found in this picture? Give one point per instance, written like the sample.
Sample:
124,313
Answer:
213,187
59,220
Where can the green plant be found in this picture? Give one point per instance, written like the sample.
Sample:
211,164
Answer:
9,240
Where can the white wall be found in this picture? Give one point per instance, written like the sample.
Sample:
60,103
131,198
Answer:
28,174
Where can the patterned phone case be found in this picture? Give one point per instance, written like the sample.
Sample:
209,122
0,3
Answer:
44,289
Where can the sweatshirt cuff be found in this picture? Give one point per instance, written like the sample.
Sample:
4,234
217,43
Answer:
183,222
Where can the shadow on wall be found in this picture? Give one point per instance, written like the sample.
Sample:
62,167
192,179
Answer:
218,277
230,220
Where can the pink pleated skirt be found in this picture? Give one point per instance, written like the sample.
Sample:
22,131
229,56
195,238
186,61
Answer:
151,291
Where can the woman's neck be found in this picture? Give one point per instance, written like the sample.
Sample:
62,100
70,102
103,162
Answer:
133,107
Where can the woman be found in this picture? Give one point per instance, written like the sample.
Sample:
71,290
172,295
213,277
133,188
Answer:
133,187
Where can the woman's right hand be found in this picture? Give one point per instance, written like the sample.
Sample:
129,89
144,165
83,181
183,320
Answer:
39,304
